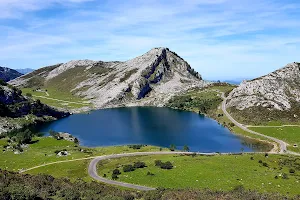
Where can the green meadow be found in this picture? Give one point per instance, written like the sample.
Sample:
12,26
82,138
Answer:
221,172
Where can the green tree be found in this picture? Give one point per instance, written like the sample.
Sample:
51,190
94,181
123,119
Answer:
24,137
186,148
172,147
76,141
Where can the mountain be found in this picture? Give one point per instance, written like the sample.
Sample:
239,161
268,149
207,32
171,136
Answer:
25,71
150,79
273,97
7,74
17,110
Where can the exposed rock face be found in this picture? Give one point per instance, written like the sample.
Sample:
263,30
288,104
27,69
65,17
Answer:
7,74
279,90
151,79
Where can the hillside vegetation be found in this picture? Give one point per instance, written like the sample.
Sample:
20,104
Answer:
17,110
19,186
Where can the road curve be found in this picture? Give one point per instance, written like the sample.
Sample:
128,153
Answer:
92,170
282,144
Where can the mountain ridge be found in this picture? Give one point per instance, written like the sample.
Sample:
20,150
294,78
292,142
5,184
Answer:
7,74
149,79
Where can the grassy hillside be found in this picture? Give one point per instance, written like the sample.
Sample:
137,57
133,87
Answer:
16,186
56,98
291,135
223,172
42,150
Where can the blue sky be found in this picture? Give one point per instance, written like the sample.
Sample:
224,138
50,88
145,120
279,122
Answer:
222,39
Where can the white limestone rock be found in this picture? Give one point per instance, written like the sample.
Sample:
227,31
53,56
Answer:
277,90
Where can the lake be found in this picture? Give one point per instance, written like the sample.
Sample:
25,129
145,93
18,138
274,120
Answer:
151,126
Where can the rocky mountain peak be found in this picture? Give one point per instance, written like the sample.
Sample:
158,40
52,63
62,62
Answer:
278,90
149,79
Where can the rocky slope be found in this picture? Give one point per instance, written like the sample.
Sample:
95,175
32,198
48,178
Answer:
7,74
16,110
276,95
150,79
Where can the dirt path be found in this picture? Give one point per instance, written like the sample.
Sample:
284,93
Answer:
61,100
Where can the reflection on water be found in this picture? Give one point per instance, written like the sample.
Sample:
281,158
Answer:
153,126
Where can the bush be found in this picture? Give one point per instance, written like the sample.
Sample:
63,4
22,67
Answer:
128,168
158,163
136,146
260,161
150,174
292,171
166,165
265,164
285,176
266,155
172,147
116,171
114,176
139,164
2,82
28,94
251,158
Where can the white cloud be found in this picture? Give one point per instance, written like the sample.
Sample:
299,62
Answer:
244,37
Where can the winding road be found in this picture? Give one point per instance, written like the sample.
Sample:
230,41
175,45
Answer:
282,144
92,170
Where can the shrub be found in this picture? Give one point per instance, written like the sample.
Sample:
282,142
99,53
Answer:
251,158
172,147
166,165
136,146
292,171
285,176
76,141
2,82
186,148
139,164
150,174
265,164
128,168
114,176
266,155
158,163
116,171
260,161
28,94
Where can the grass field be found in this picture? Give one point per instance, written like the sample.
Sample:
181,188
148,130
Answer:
222,172
290,135
73,101
43,150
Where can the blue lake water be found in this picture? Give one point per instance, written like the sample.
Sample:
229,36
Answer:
151,126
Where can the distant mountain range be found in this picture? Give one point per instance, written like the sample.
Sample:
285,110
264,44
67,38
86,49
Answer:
25,71
150,79
7,74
